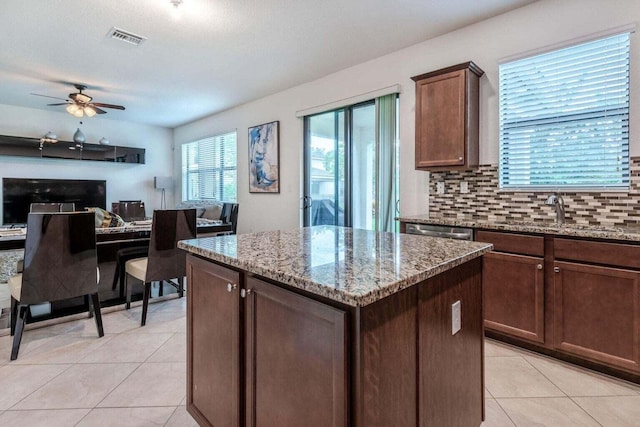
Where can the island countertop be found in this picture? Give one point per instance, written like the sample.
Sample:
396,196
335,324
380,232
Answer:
351,266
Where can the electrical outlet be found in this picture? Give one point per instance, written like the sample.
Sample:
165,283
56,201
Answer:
464,187
456,317
440,188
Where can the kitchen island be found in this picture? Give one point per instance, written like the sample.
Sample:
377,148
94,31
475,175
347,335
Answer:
331,326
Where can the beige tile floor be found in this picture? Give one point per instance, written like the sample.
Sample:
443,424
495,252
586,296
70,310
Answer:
66,376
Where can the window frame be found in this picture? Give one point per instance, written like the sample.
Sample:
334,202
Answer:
575,118
218,172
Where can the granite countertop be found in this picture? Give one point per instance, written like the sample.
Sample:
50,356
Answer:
352,266
628,233
20,233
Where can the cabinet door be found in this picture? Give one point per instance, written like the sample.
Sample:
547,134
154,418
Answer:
597,313
514,295
213,335
440,120
295,361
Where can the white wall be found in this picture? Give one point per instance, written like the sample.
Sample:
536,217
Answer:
536,26
124,181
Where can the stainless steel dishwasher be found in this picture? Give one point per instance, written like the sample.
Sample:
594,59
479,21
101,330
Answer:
449,232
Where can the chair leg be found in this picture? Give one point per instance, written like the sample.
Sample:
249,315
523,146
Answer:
14,314
97,313
145,302
87,302
22,319
161,288
180,287
126,285
116,275
123,275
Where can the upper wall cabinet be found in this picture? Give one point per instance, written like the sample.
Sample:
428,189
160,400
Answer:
447,117
32,147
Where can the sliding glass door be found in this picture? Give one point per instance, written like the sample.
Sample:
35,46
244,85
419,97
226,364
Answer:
325,169
350,166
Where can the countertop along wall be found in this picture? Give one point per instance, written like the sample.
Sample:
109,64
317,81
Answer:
124,181
539,25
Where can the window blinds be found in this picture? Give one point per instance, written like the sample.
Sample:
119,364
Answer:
209,168
564,117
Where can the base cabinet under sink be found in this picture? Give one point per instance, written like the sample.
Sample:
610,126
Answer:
514,295
577,299
597,313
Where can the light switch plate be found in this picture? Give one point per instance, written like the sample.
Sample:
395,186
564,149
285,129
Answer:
464,187
456,317
440,187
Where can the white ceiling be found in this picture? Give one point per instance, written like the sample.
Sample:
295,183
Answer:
217,54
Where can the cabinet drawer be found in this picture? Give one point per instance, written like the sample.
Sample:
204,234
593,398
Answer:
617,254
511,242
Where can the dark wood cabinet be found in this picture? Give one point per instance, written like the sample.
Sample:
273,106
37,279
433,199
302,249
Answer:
294,351
447,117
213,344
597,313
513,280
514,295
262,354
442,400
576,299
296,359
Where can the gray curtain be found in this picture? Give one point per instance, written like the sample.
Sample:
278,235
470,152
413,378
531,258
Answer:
386,191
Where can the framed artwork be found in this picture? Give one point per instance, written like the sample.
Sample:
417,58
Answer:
264,158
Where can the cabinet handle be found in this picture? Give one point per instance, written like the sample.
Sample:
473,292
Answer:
245,293
539,266
459,158
231,287
556,269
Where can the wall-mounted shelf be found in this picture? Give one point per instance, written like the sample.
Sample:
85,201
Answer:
31,147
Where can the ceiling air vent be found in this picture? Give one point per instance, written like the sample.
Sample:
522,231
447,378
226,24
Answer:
118,34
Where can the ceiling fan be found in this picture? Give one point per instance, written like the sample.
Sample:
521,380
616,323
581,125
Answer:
80,103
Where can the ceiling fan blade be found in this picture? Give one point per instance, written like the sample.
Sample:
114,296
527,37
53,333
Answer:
98,110
47,96
60,103
100,104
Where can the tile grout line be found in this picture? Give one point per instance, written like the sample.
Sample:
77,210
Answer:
546,377
51,379
506,413
171,416
585,411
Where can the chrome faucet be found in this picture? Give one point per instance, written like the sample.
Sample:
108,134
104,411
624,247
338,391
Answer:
557,201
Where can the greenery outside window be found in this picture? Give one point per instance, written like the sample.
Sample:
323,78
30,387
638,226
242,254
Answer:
564,118
209,169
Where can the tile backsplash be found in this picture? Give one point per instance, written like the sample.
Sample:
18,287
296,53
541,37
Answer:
485,200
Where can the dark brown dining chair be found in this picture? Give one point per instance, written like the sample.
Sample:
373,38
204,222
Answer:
60,262
165,262
46,207
129,210
229,215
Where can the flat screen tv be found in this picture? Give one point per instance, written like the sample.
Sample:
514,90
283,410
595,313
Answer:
19,193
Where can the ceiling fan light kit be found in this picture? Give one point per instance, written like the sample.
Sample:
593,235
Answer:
79,104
